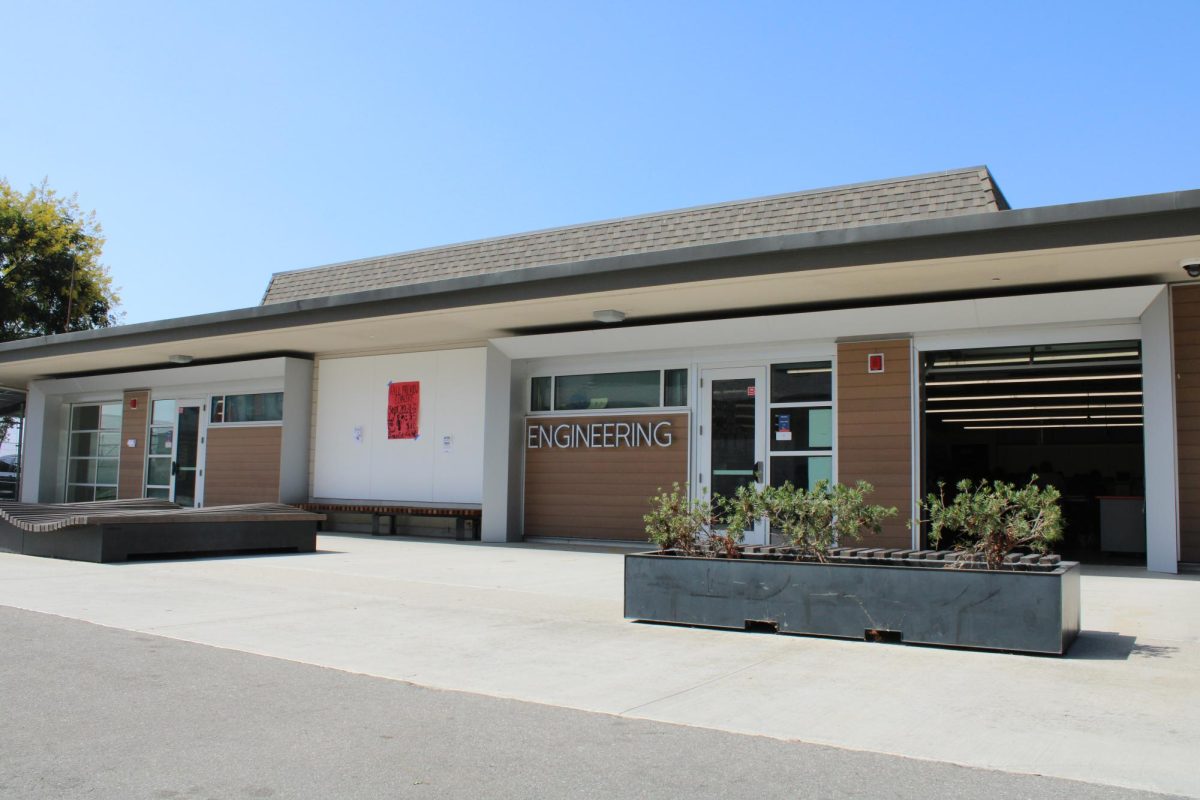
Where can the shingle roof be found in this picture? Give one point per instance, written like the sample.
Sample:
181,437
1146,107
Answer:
942,194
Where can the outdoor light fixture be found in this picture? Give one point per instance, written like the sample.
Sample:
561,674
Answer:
179,359
1191,266
608,316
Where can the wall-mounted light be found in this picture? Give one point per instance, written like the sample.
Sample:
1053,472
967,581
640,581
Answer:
179,359
608,316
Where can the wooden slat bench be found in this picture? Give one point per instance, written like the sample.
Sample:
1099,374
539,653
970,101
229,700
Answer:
466,519
115,530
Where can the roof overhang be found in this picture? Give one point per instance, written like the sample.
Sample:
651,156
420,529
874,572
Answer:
1121,241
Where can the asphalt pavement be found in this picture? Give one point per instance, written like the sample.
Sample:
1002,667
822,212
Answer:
93,712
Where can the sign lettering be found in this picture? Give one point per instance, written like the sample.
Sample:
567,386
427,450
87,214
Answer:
567,436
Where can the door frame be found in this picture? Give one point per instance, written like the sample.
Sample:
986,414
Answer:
703,474
201,405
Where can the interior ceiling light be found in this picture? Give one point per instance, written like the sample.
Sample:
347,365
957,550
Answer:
1069,425
1084,356
179,359
981,362
1058,379
1101,407
608,316
1057,416
1018,419
1032,396
808,371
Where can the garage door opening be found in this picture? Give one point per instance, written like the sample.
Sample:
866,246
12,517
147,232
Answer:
1071,414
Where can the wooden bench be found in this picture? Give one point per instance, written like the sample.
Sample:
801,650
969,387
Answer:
466,519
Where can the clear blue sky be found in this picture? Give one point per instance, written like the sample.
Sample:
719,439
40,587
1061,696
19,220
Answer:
220,142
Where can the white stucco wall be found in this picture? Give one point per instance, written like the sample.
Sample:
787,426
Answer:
352,393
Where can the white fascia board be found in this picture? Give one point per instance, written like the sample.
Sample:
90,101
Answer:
1088,307
266,370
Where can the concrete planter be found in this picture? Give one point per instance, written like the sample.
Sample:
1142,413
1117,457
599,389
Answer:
1033,610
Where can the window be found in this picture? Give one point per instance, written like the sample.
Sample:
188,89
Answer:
540,392
94,452
265,407
609,390
801,411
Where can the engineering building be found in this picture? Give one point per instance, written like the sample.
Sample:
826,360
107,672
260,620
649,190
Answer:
902,332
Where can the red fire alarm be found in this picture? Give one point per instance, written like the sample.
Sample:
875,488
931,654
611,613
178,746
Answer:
875,362
132,403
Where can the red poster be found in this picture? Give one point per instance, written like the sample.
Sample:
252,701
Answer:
404,409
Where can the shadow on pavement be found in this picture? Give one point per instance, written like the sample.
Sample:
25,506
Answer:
1109,646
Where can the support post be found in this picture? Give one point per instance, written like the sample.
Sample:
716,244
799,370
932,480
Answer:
494,526
1161,453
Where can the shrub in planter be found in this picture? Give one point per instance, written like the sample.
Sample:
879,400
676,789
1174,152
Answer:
690,527
815,520
990,520
914,599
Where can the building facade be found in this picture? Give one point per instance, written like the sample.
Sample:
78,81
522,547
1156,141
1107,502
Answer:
907,333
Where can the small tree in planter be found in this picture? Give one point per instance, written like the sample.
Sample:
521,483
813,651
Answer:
690,527
990,520
815,520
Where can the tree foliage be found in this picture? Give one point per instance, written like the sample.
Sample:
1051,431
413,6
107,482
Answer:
51,278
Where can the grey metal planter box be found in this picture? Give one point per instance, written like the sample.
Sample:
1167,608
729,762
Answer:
1021,611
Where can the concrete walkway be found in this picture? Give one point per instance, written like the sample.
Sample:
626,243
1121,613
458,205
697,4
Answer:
545,625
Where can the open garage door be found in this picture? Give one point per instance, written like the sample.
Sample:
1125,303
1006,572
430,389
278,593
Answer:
1071,414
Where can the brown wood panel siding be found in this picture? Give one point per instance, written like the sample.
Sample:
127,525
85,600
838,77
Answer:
132,467
241,465
875,429
600,492
1185,318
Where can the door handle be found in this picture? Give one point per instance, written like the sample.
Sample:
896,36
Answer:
758,465
174,467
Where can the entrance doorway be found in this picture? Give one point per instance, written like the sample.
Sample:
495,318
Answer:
731,448
174,461
1071,414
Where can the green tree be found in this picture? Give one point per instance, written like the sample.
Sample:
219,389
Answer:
51,278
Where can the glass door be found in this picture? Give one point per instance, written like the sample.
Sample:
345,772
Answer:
731,439
174,466
185,489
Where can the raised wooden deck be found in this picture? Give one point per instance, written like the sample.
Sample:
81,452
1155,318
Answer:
117,530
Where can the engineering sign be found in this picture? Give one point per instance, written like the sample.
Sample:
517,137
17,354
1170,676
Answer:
598,434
